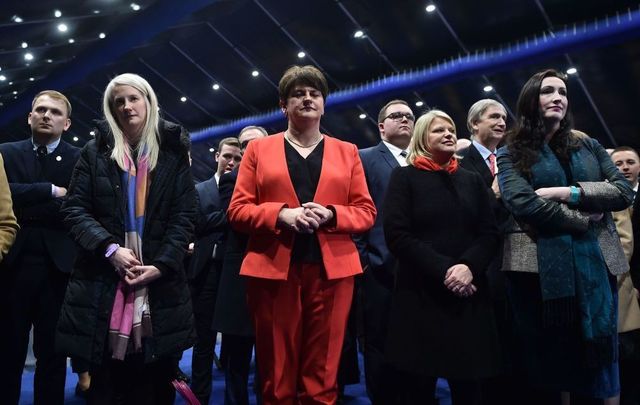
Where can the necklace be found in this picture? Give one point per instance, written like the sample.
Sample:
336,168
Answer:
288,138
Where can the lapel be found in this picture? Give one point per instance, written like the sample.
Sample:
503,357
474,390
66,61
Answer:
29,159
276,157
479,165
387,155
209,198
328,169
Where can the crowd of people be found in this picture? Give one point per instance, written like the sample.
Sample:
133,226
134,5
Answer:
501,265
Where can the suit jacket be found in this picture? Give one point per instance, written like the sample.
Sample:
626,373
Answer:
628,309
635,257
474,162
8,222
378,163
37,211
232,313
264,187
209,226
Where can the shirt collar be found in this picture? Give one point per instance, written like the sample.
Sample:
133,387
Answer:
50,147
484,152
395,151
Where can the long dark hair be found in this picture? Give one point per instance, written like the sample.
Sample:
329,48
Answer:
526,139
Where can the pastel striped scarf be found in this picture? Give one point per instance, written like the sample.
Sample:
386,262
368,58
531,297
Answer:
130,315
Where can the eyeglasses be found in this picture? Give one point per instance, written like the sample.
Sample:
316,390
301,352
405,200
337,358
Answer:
398,116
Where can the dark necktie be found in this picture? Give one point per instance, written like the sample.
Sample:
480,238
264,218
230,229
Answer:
41,152
403,153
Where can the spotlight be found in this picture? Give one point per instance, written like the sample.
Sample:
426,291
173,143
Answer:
430,8
216,86
28,56
572,71
62,27
419,103
362,116
358,34
255,73
102,35
57,13
71,40
24,45
3,78
301,54
487,89
135,6
16,19
183,99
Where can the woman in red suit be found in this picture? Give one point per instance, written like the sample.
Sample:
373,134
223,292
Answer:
300,195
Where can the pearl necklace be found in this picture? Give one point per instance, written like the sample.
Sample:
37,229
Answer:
288,138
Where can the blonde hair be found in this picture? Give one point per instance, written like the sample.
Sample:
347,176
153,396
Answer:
418,147
150,136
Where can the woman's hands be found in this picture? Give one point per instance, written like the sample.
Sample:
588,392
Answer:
458,280
131,270
559,194
305,219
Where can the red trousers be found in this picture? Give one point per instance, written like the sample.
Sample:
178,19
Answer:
299,324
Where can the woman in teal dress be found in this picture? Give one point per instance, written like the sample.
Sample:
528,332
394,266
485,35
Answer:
562,251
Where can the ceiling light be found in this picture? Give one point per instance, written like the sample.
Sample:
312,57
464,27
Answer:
15,92
57,13
183,99
96,11
135,6
75,139
572,71
28,56
216,86
24,45
16,18
71,40
358,34
62,27
49,60
3,78
419,103
255,73
487,89
31,79
362,116
430,8
211,150
92,133
102,35
10,83
301,54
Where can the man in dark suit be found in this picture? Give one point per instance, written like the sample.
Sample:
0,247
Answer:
204,268
232,314
486,122
395,123
36,270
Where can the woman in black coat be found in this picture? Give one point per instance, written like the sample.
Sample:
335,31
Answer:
130,208
439,224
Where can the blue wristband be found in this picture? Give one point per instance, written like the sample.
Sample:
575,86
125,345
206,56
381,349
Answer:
574,195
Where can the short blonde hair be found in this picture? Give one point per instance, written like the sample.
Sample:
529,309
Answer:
418,147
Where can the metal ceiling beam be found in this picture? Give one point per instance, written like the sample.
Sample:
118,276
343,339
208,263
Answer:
462,46
213,79
581,83
135,30
544,47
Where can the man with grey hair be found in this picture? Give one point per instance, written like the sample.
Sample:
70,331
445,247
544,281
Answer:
486,122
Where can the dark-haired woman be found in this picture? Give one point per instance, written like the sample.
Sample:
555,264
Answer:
300,195
563,251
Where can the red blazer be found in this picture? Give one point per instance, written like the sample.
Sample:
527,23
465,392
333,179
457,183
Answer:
264,187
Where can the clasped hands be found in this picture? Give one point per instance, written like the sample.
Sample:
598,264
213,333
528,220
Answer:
562,195
131,270
458,280
305,219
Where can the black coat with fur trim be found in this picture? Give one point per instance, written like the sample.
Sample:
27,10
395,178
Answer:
94,213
